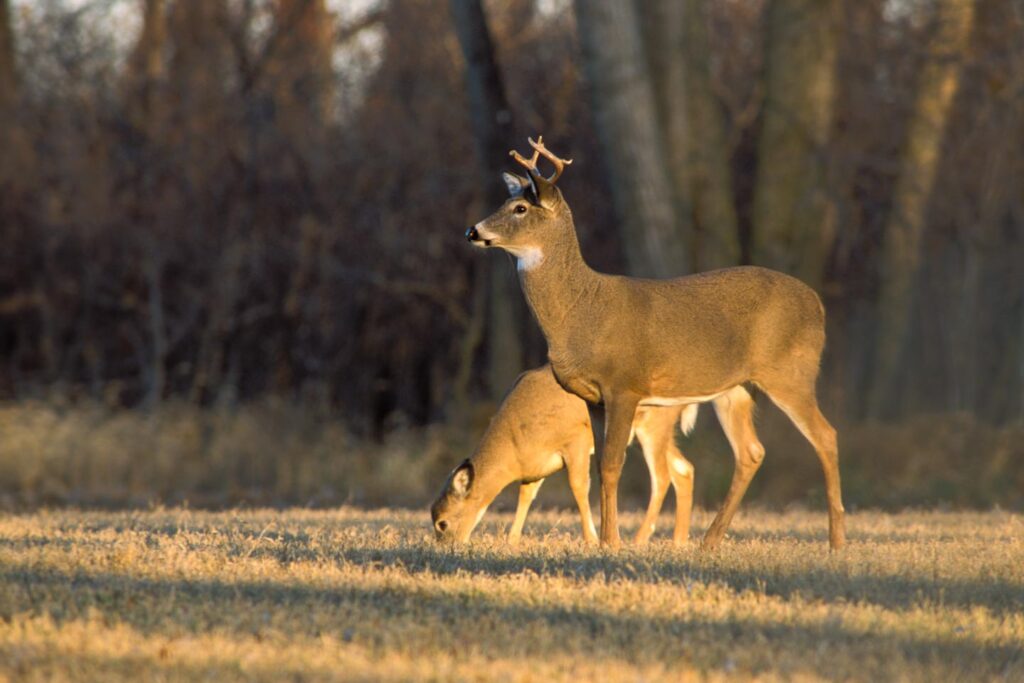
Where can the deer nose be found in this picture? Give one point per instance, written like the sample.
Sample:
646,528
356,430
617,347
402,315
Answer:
472,235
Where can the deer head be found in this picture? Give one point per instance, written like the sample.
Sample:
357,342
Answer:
524,224
456,511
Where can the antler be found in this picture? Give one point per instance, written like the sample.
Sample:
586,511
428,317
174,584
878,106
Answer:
531,163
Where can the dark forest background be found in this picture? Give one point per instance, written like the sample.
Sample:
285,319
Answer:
232,264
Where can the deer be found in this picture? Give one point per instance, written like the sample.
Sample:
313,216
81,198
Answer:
624,343
539,429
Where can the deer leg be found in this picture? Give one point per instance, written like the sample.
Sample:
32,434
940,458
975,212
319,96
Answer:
654,440
801,406
681,471
618,419
527,493
735,411
579,481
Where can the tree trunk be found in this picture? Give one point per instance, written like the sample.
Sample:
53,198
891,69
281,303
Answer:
156,376
300,69
492,131
791,218
634,149
901,249
717,242
148,58
8,73
661,30
146,67
17,153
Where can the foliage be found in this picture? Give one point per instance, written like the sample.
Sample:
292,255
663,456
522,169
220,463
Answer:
265,198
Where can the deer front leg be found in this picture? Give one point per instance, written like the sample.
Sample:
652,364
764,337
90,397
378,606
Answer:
610,443
527,494
681,471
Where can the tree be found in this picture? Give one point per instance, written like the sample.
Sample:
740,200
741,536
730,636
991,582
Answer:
676,46
492,131
661,24
716,228
626,117
901,249
300,63
8,73
147,62
791,223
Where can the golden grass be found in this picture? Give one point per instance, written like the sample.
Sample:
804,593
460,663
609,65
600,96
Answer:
352,595
273,452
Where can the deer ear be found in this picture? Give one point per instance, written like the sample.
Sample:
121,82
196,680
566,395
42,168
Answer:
544,192
516,184
462,479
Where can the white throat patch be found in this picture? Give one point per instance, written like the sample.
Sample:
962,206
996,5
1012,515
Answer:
529,258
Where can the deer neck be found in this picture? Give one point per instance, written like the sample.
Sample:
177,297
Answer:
494,469
558,286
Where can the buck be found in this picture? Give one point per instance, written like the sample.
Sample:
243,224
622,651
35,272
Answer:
540,428
622,343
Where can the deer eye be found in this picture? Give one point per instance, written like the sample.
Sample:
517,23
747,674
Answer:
520,208
442,525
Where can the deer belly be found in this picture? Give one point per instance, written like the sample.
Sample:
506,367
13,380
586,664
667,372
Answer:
665,401
544,467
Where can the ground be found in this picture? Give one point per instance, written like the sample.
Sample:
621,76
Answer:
367,595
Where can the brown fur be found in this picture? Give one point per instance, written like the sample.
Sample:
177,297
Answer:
540,428
620,343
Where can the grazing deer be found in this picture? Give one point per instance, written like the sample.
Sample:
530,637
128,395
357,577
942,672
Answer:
623,343
540,428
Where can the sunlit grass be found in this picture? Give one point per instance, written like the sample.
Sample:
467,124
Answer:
264,595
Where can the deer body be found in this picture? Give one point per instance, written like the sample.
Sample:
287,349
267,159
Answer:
696,336
624,343
539,429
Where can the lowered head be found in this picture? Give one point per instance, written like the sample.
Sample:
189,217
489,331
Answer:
456,511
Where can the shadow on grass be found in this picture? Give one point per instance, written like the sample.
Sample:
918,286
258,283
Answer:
374,616
827,581
31,666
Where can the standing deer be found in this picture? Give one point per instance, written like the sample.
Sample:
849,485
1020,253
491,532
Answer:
621,343
540,428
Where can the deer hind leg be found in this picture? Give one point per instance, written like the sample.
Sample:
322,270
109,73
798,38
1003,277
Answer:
654,431
798,401
578,468
681,471
527,494
735,410
610,445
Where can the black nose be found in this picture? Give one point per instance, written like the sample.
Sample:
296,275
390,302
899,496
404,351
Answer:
472,235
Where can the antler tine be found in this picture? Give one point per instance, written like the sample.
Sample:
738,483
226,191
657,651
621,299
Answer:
531,163
557,162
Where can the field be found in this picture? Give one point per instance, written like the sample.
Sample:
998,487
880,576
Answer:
355,595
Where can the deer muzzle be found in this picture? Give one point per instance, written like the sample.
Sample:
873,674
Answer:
474,237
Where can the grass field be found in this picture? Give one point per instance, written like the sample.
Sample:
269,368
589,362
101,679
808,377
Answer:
353,595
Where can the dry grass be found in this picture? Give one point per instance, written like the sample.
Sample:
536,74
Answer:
267,453
350,595
274,452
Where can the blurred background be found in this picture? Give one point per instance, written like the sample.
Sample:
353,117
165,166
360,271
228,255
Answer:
232,264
